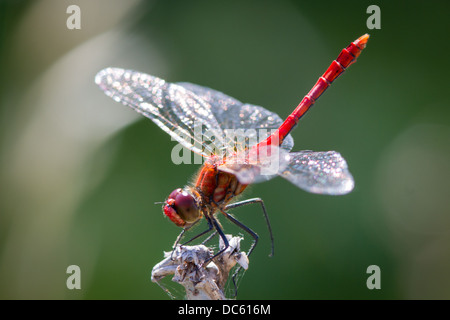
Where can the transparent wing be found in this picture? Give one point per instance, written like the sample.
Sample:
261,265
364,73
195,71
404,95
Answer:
318,172
240,122
259,164
246,125
179,112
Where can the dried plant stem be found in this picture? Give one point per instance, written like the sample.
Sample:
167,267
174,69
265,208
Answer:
201,281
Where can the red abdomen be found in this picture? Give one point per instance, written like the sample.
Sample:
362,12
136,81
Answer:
337,67
217,186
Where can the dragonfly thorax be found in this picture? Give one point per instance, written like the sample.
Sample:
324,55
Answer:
181,208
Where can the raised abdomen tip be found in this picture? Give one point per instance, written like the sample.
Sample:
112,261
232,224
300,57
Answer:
361,41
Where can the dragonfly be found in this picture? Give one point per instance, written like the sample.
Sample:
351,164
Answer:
240,143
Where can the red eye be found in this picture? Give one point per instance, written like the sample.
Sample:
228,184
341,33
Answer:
185,206
184,201
174,193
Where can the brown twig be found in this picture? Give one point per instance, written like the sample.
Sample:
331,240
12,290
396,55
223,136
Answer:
202,281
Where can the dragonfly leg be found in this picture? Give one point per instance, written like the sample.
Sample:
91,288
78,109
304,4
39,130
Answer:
245,228
222,235
176,243
266,216
180,236
210,227
248,230
209,238
219,230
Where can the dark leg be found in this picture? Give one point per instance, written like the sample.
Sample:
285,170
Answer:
245,228
210,237
253,234
249,231
266,216
212,220
222,235
180,236
210,226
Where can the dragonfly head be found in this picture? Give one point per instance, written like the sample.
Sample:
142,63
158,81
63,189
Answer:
181,207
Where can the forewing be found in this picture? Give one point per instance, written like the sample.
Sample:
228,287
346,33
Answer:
255,123
319,172
175,109
258,165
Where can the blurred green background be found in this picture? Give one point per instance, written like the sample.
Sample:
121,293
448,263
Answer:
79,173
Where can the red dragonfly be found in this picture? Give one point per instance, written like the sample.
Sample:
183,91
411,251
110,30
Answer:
259,140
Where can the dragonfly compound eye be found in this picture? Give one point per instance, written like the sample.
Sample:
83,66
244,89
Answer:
181,208
186,207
